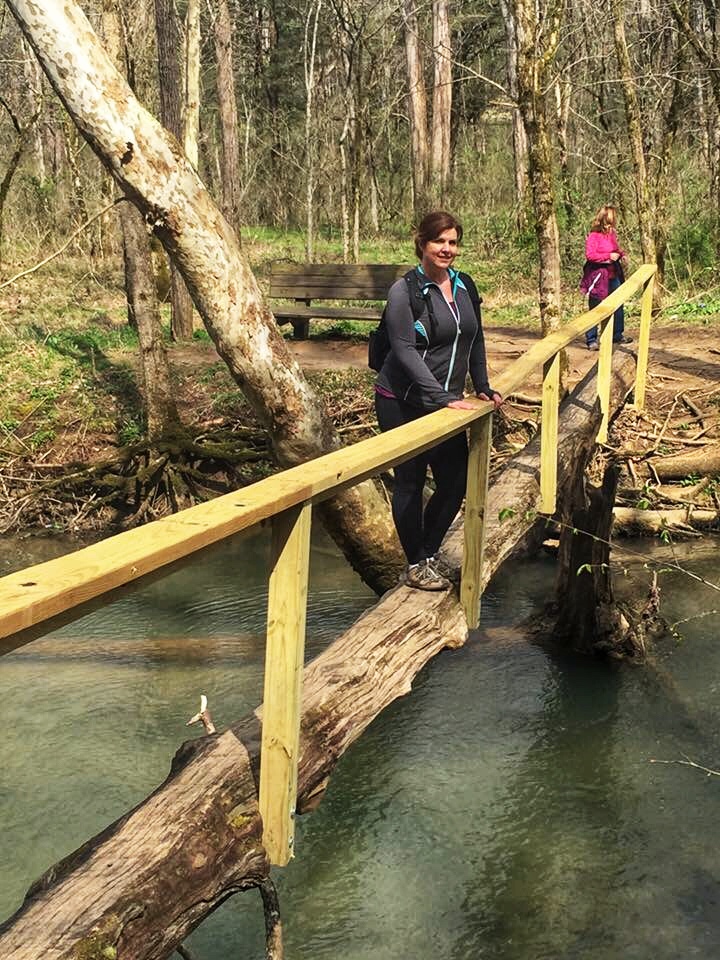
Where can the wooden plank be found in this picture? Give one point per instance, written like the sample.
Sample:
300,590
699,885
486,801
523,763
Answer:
549,435
604,375
360,271
284,661
38,593
643,343
474,530
292,311
332,291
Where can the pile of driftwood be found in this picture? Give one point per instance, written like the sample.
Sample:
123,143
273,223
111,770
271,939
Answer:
672,462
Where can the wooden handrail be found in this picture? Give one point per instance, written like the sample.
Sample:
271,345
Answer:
47,589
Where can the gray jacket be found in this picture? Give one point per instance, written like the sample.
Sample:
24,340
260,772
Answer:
428,364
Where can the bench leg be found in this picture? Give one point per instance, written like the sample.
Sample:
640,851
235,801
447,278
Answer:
301,329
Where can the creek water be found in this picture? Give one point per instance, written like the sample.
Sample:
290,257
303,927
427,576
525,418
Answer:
509,808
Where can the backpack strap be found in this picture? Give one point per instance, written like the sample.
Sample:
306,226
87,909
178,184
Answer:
472,290
418,300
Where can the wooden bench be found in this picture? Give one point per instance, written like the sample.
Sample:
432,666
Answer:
306,282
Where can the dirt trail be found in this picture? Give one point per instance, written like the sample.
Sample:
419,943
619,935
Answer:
684,358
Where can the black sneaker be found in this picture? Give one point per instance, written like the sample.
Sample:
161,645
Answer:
593,345
423,576
623,339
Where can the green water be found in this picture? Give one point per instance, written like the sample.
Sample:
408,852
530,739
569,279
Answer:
508,808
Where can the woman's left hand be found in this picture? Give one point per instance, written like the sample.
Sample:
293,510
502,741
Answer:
496,398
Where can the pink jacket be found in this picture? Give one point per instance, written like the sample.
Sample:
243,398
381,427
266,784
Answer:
599,270
599,246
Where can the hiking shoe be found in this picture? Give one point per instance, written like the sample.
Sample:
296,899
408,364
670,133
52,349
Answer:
623,339
446,569
423,576
593,345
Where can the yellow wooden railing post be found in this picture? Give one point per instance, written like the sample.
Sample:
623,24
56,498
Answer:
287,602
549,435
474,530
644,343
603,375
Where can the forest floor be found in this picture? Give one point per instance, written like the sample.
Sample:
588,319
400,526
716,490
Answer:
71,397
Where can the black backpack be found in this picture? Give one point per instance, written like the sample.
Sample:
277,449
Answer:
379,342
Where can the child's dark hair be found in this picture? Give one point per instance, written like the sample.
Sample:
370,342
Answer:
432,225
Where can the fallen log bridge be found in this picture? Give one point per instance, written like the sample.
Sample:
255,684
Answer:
136,890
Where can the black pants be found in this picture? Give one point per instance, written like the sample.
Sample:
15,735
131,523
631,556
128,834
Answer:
422,531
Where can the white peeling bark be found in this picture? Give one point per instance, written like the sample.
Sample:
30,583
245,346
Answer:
149,165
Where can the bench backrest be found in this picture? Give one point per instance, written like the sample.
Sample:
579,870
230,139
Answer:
334,281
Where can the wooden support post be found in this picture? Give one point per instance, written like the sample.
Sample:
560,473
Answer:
475,501
301,327
644,343
287,602
604,374
549,435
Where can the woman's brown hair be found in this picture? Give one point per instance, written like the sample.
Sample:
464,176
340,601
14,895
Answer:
432,225
605,219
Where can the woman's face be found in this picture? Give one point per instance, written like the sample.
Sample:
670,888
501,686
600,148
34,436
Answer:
440,252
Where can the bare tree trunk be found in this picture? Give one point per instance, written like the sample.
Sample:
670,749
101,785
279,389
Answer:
22,135
162,416
442,101
563,93
520,147
191,118
310,47
344,207
161,411
146,163
228,114
417,111
33,78
646,214
169,44
538,44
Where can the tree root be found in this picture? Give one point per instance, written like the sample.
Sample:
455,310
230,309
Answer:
141,483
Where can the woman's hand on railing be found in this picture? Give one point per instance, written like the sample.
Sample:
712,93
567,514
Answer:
496,398
462,405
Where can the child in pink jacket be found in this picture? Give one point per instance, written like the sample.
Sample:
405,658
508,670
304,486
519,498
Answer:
603,271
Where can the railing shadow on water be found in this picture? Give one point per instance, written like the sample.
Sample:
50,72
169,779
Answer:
54,591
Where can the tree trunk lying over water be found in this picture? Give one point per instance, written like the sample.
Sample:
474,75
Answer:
136,890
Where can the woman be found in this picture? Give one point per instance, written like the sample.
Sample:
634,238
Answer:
603,271
425,370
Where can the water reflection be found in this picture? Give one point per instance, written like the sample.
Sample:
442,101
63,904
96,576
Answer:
507,809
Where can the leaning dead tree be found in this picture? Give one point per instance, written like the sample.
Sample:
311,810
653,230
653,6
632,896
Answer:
142,885
151,168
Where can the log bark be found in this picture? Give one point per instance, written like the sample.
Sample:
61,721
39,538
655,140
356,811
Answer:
649,523
144,883
703,462
150,167
587,619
